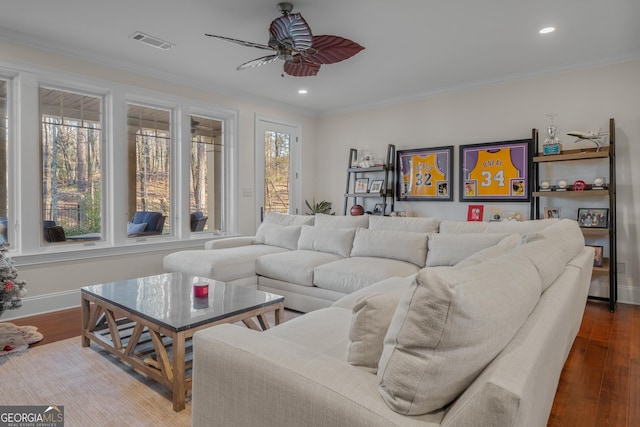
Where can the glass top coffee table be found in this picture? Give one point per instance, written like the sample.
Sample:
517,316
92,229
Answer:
148,322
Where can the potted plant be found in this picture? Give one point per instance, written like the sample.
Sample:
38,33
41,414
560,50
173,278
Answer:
322,207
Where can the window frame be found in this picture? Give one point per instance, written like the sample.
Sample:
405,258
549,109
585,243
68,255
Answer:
103,152
25,201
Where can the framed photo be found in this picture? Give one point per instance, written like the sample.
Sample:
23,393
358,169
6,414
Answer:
425,174
598,258
593,217
496,171
362,185
378,209
376,186
475,213
551,212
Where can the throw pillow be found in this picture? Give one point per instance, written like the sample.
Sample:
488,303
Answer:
450,249
136,228
449,326
332,240
400,245
278,235
372,315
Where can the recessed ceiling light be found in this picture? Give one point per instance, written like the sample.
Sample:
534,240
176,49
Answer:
302,91
547,30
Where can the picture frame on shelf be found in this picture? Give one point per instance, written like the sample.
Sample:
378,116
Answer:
361,186
496,171
598,258
475,213
593,217
376,186
425,174
551,212
378,209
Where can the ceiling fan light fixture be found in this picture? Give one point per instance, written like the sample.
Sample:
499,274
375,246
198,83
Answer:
291,41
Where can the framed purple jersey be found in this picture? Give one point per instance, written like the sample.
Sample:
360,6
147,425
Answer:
495,171
425,174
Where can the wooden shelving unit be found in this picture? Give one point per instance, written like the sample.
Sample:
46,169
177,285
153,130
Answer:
610,264
384,172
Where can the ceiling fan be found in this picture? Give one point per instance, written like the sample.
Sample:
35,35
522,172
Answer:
302,52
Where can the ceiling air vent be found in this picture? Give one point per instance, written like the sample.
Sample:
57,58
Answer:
151,41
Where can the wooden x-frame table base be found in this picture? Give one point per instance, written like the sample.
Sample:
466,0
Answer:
162,354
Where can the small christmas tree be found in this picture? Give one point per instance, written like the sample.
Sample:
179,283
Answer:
11,289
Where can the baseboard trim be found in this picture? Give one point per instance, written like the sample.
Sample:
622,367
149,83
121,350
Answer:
32,306
629,295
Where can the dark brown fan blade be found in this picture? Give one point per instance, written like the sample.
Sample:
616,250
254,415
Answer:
332,49
257,62
242,42
300,66
292,31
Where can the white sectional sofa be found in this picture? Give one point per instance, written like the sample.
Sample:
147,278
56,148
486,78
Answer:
480,342
315,260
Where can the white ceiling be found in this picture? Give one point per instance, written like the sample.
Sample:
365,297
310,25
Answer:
412,47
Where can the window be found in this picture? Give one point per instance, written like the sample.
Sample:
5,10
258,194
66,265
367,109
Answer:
149,130
4,177
206,178
71,147
276,171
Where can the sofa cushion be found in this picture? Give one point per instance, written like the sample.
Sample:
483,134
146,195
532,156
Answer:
565,234
552,248
333,240
400,245
519,227
415,224
372,316
450,249
283,236
448,326
334,221
285,219
350,274
398,285
224,265
505,245
293,266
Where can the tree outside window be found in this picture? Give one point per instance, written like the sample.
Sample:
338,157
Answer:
71,147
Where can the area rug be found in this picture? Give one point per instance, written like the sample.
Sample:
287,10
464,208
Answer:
17,338
94,388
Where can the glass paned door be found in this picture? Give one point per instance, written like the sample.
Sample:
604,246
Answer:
277,176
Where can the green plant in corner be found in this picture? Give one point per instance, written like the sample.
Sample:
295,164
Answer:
322,207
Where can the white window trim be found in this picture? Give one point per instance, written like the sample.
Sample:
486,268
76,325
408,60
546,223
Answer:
25,202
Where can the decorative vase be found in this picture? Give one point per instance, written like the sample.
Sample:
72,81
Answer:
357,210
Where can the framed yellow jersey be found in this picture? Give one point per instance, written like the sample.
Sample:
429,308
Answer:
496,171
425,174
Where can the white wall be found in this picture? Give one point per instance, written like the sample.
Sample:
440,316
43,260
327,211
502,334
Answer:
583,100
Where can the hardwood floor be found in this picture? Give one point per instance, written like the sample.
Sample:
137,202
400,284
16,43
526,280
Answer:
599,385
